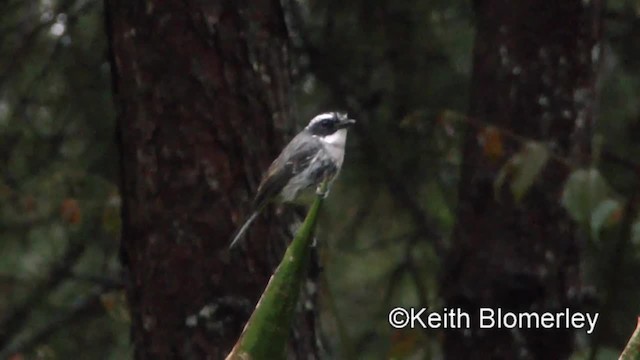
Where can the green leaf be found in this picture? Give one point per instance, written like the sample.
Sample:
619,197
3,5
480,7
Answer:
533,158
583,192
265,334
522,168
505,171
601,214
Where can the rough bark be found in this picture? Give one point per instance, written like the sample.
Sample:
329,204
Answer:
534,74
202,90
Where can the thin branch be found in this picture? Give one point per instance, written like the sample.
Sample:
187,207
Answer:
348,351
15,319
104,281
27,43
23,101
414,272
607,154
626,17
401,194
85,308
480,124
349,232
381,243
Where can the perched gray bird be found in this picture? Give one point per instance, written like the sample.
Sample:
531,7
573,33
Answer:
313,156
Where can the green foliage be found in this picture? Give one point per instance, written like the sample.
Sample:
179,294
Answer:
604,214
533,158
57,177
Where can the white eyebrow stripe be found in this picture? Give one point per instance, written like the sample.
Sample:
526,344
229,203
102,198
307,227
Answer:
321,117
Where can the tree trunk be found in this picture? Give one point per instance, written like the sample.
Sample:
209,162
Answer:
202,90
533,74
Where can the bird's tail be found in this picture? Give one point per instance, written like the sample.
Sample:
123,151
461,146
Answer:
243,229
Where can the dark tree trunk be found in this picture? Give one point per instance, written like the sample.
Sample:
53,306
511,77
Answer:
534,74
202,89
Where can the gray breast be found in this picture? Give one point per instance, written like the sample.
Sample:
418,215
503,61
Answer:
322,166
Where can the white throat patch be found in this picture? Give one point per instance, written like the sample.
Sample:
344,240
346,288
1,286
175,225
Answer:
338,138
334,145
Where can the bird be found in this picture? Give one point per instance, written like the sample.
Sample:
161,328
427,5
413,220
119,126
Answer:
314,156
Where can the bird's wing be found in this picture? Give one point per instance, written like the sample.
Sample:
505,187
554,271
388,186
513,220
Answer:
293,159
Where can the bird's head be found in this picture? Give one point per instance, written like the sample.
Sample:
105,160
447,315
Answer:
326,124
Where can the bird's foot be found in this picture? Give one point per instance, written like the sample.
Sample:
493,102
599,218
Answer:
322,193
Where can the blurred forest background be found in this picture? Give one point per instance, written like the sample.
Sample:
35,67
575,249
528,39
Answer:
495,163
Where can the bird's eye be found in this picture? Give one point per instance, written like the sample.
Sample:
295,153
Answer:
326,124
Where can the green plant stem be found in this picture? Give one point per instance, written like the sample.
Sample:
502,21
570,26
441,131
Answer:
632,350
265,335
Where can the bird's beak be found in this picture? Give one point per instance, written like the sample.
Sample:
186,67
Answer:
347,123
